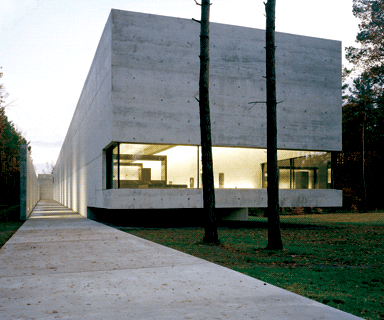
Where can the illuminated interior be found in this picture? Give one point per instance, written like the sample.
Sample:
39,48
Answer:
302,170
179,166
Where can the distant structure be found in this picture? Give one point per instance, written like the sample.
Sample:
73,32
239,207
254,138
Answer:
45,186
133,142
29,186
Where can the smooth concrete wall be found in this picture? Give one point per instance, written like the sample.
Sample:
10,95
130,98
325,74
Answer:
225,198
45,186
142,85
78,171
29,188
155,82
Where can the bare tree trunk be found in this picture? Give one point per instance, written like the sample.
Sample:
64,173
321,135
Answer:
274,234
364,208
205,130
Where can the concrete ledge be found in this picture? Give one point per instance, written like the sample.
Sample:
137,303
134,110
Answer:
225,198
311,198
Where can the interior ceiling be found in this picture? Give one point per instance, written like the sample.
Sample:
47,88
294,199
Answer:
144,149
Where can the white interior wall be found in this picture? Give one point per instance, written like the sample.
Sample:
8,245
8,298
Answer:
241,167
181,164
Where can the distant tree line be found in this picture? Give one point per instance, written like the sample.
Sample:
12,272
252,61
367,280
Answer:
359,168
10,141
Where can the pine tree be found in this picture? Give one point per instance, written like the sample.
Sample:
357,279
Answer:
274,234
10,141
370,56
211,235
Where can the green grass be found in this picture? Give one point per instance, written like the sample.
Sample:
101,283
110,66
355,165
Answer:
369,219
9,223
339,263
7,229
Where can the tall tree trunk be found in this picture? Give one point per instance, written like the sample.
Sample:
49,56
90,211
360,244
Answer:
274,234
205,130
364,207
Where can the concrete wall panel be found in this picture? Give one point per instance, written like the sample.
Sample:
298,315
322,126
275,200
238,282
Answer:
155,72
310,198
152,198
45,186
89,132
225,198
29,186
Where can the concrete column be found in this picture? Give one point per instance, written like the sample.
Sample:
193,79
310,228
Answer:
23,182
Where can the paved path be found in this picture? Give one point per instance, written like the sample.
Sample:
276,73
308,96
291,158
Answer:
59,265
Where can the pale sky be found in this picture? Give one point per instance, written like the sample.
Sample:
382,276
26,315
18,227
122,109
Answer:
47,47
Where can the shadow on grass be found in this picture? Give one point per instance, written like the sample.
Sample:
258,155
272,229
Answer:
264,225
10,213
148,220
9,222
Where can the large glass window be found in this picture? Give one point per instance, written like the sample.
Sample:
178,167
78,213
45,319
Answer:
178,166
302,170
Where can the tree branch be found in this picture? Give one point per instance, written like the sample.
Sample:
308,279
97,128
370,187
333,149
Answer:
256,102
200,4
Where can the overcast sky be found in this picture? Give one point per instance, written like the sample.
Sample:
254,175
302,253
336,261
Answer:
47,47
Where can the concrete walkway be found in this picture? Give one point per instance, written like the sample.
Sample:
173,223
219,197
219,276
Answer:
61,265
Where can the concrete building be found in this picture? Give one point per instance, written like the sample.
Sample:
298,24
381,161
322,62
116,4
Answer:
133,142
29,186
45,186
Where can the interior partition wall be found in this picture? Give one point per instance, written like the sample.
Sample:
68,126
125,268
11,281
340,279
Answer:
179,166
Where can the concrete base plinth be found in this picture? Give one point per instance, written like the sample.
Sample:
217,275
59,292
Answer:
234,214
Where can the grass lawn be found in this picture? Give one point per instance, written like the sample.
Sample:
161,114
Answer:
369,219
334,259
7,229
8,222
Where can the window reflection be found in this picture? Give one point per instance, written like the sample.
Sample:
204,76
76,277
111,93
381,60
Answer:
178,166
302,170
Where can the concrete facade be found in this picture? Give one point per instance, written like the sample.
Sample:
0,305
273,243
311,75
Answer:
29,187
141,88
45,186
